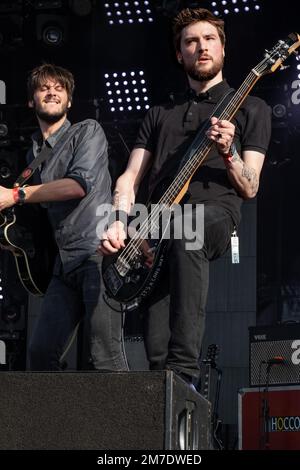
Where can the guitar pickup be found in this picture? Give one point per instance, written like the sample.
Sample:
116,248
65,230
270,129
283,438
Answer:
112,279
122,267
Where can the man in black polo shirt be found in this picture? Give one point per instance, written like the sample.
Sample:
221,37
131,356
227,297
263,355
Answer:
230,173
71,184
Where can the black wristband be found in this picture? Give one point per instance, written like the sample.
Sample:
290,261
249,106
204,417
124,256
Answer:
118,215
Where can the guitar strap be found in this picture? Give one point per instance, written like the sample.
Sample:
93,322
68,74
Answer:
30,169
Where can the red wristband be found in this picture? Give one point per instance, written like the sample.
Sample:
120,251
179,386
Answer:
16,194
228,157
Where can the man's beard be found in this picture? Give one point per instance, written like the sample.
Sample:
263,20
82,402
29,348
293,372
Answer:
203,75
51,118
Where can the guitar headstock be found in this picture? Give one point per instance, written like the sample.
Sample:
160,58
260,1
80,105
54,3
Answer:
275,57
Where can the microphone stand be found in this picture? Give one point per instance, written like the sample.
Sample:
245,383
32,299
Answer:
265,412
215,415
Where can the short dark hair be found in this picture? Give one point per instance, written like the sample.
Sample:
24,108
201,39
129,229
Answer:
39,76
193,15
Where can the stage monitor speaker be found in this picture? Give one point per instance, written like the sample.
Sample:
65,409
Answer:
93,410
274,355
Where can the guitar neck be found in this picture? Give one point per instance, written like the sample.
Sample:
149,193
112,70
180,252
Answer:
207,381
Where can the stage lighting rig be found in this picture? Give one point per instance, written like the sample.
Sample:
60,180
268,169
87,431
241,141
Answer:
226,7
128,12
127,92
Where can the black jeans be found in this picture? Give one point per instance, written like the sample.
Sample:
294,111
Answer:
69,299
174,319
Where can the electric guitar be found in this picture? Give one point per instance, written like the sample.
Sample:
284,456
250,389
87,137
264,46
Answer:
26,233
129,276
209,363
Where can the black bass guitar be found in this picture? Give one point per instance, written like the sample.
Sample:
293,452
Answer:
129,276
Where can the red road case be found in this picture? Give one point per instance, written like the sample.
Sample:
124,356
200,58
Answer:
269,418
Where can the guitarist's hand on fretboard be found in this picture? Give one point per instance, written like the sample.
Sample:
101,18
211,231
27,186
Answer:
221,132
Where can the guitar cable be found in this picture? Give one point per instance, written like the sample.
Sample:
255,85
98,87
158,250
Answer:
105,298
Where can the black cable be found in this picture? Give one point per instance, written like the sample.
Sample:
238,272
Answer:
105,298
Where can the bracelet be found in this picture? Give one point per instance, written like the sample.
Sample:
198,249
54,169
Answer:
232,151
16,194
118,215
227,157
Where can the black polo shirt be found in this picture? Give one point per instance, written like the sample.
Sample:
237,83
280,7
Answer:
79,151
168,130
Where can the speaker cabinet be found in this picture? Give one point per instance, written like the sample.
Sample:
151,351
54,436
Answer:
93,410
274,353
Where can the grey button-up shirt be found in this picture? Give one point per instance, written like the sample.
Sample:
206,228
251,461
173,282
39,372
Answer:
79,151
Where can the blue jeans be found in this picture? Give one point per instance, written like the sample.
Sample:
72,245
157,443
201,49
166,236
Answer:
174,319
69,299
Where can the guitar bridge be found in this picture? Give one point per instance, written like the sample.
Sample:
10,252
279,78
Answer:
122,267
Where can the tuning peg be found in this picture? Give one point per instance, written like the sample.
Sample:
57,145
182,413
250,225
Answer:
283,67
296,52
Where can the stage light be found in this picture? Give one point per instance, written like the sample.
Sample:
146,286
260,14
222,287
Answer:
3,130
5,171
127,91
11,314
52,30
4,138
52,35
128,12
279,111
298,64
225,7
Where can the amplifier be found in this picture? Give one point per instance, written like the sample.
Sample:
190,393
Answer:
274,355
